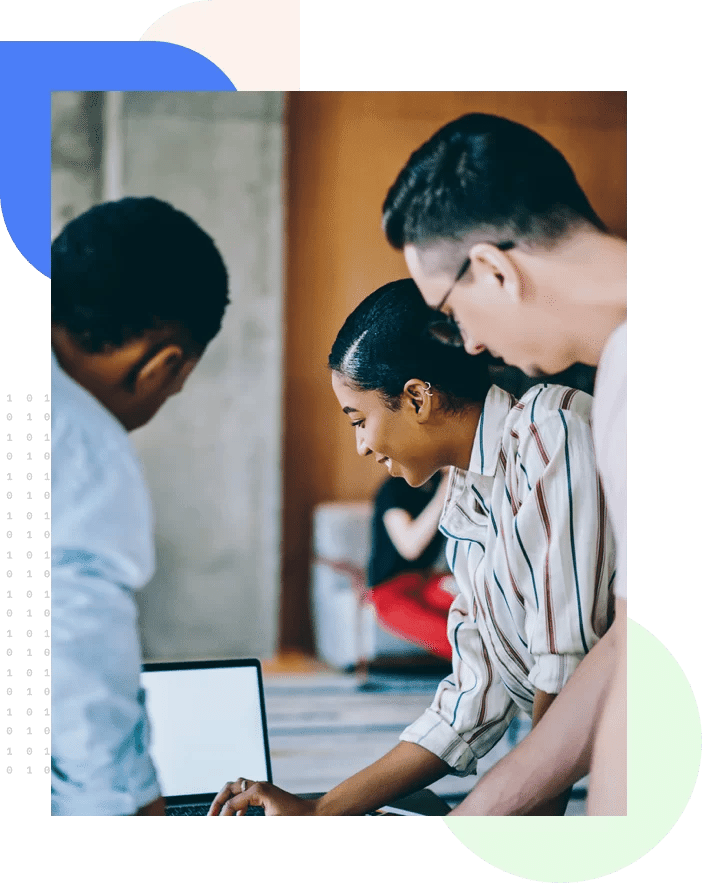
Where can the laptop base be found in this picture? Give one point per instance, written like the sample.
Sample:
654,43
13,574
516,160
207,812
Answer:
201,809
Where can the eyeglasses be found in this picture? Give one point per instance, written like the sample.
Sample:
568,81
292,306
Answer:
444,328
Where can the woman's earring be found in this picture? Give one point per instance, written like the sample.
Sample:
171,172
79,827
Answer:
427,387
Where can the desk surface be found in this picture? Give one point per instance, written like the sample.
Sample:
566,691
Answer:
423,802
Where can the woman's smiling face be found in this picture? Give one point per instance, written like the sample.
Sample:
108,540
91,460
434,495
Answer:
402,440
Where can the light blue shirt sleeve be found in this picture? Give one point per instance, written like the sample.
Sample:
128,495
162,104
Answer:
100,739
102,550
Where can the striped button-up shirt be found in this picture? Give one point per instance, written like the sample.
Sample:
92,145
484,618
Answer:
532,551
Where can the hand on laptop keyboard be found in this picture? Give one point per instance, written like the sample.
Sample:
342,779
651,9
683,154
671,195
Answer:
237,796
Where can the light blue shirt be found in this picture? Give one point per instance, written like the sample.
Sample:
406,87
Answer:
102,551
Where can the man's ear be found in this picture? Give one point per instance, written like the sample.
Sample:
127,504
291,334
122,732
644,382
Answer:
418,395
160,371
494,270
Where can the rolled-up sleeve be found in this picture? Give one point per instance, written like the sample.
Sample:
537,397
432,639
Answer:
564,550
471,709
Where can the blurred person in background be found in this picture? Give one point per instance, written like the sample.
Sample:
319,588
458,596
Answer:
410,595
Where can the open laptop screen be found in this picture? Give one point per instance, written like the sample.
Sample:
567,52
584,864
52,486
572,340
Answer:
207,724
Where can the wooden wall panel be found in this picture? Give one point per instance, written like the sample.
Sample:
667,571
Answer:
344,150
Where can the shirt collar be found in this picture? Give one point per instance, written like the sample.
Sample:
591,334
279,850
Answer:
486,446
480,474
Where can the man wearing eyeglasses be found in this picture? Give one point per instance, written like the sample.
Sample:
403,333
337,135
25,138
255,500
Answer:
504,244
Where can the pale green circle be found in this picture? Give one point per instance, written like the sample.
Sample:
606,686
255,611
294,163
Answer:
664,759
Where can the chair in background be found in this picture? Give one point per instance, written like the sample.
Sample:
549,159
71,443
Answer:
347,633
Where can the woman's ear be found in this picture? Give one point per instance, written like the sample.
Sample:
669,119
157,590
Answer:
418,395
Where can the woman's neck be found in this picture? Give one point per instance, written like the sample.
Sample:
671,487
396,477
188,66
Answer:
459,431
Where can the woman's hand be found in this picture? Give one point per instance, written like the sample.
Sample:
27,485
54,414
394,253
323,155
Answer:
236,797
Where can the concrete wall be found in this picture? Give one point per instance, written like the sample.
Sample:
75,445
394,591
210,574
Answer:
212,454
76,154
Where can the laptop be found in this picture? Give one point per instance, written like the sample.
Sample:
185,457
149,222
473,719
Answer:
208,725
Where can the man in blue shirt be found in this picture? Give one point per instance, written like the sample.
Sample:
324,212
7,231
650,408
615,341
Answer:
138,290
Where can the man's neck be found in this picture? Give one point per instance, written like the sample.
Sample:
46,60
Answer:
585,280
99,373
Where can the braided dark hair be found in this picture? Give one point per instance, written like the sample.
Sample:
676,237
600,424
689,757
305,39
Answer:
384,343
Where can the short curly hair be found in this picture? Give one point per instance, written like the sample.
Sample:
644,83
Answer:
484,174
126,267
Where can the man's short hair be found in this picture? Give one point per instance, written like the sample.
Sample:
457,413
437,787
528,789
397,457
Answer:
124,268
485,175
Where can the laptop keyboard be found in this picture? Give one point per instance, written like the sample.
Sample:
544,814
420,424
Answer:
201,809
